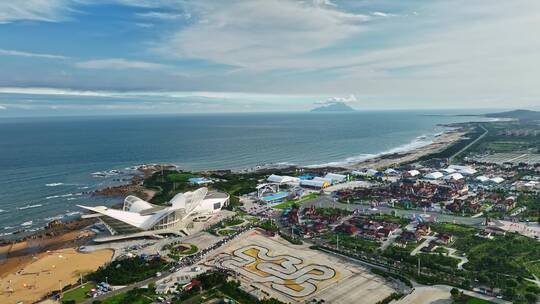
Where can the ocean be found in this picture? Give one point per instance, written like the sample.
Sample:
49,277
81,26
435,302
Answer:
47,164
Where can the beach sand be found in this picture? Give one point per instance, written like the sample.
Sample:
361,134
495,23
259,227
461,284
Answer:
30,262
46,272
389,160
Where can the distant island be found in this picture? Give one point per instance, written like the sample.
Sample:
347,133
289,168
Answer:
523,115
334,107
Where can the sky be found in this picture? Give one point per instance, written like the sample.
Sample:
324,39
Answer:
78,57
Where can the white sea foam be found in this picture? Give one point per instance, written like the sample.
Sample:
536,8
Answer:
73,213
30,206
63,195
52,218
420,141
54,184
29,223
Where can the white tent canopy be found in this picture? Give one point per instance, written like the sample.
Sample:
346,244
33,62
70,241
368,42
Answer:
434,175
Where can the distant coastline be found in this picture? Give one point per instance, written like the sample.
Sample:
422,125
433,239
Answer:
346,146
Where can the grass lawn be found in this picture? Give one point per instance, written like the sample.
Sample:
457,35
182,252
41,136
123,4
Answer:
233,222
441,250
135,296
78,294
225,232
534,268
453,229
297,201
181,249
471,300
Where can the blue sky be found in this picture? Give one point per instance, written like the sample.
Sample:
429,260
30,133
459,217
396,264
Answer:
73,57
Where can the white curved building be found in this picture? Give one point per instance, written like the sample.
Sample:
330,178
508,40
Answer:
138,216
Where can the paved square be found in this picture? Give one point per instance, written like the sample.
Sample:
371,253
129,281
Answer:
296,273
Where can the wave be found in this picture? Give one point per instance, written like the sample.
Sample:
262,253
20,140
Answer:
29,206
29,223
2,211
64,195
8,227
106,173
54,218
73,213
418,142
54,184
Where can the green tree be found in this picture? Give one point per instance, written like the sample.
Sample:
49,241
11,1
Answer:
511,283
531,297
456,294
509,293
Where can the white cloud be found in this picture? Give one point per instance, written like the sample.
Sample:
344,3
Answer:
382,14
160,15
34,10
262,34
162,94
144,25
331,100
118,64
28,54
350,98
324,3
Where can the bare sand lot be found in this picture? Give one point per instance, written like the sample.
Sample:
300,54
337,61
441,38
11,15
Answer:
46,272
295,273
428,295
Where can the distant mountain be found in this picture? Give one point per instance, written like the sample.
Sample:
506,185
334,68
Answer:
524,115
334,107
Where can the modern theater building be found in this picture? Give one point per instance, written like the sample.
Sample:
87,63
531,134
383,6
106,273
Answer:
139,218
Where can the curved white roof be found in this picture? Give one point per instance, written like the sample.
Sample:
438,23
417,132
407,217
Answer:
132,213
282,179
455,176
482,178
135,204
188,200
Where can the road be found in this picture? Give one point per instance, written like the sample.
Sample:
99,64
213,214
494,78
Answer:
425,243
211,249
328,202
127,288
469,145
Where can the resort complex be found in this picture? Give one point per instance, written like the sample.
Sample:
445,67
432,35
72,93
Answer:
140,218
448,227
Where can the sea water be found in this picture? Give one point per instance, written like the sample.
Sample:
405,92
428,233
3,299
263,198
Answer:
48,165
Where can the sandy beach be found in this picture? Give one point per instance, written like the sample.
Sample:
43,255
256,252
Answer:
440,143
32,268
46,272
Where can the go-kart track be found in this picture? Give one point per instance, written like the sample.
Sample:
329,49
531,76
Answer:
280,271
295,273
